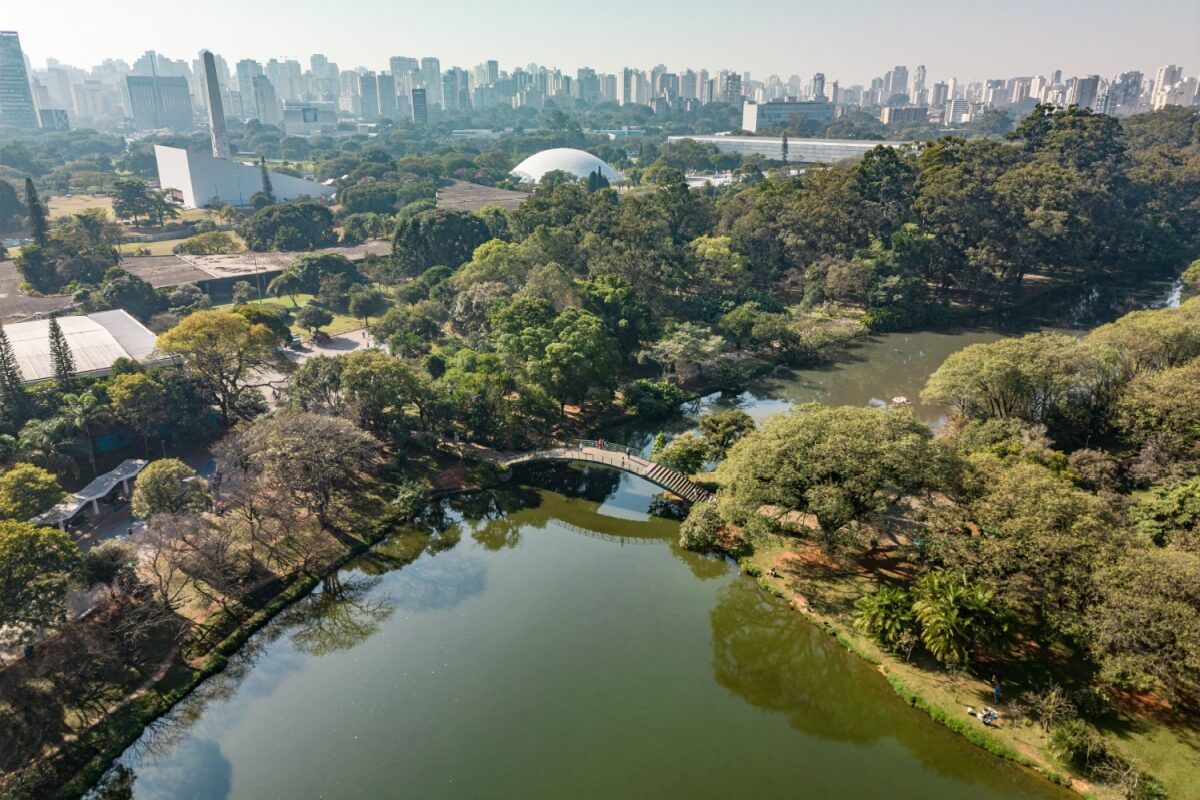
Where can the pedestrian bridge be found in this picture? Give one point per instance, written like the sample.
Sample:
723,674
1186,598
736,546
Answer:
617,457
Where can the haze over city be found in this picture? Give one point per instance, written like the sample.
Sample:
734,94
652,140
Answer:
849,43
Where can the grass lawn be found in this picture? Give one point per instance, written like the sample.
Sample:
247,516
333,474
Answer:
62,206
341,322
167,246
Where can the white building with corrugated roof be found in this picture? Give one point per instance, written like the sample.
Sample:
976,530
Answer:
96,341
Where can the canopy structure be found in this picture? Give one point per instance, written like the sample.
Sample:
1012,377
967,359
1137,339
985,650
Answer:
100,487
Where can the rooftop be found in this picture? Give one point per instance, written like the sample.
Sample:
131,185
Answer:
95,340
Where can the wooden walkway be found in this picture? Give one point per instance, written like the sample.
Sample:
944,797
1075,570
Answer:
618,458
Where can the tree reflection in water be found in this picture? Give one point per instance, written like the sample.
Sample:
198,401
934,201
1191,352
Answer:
338,618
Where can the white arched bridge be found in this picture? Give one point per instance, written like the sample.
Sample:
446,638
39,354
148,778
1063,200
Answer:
617,457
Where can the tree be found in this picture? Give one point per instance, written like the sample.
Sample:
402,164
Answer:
685,453
886,616
243,292
44,442
83,413
580,356
701,528
436,237
274,318
206,244
722,429
956,616
61,357
686,350
268,191
838,464
168,486
132,199
310,456
1145,626
229,356
289,226
367,303
286,283
378,389
39,227
313,317
26,491
140,402
37,565
12,388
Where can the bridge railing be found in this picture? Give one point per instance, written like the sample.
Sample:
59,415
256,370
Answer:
610,446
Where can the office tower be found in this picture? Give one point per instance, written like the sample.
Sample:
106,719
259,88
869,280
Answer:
387,95
899,83
1166,77
627,92
368,92
939,94
493,72
266,104
818,86
216,111
420,111
431,75
16,98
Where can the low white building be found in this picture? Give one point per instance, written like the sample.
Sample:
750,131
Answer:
95,340
200,179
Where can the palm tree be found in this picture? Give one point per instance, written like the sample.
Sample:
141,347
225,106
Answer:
83,413
43,442
956,616
288,283
886,615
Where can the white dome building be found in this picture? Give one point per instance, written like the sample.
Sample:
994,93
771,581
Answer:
567,159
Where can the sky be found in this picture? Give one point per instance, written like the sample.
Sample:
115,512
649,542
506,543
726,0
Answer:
849,41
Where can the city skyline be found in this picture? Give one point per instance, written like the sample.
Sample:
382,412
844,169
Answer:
954,42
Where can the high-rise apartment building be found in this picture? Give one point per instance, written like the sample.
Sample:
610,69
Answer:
266,103
817,89
157,101
368,92
731,89
431,75
16,98
387,95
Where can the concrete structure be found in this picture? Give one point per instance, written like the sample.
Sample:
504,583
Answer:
780,113
216,111
92,494
200,178
95,340
420,109
799,151
55,119
16,98
567,159
309,119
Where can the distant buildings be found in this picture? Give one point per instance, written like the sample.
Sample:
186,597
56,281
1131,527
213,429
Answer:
420,111
799,151
780,114
16,99
156,102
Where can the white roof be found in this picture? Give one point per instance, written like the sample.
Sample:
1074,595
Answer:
96,341
70,505
567,159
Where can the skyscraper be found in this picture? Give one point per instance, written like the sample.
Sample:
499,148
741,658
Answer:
156,101
266,104
216,111
420,111
368,90
16,99
387,95
431,74
818,86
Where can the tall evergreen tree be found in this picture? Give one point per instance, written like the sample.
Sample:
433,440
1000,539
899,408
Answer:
60,356
267,189
12,393
38,223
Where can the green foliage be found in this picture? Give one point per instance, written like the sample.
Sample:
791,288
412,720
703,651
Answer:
110,560
313,317
35,212
957,617
722,429
206,244
886,616
273,318
26,491
701,528
37,565
839,464
652,400
292,226
61,358
167,486
686,453
436,237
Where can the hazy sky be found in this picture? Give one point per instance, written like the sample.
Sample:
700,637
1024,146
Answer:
848,41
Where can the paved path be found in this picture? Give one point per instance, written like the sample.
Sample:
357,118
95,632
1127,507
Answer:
669,479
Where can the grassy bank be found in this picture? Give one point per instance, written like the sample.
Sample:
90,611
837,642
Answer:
824,589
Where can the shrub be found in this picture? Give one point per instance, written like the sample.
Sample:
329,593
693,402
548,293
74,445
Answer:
652,399
701,528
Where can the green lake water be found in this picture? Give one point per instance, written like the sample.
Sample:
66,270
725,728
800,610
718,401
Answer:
532,643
